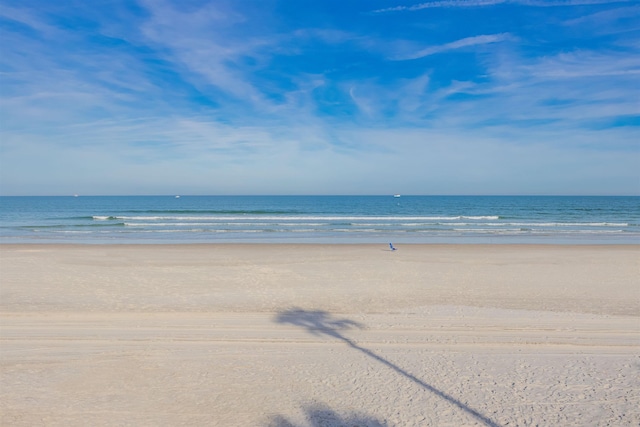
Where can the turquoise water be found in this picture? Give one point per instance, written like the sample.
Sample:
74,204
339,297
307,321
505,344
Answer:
320,219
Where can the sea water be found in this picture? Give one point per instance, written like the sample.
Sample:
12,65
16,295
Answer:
320,219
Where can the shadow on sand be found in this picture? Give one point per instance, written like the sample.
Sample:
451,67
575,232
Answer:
323,323
320,416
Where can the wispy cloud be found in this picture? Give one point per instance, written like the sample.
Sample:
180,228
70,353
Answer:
26,18
482,3
438,4
458,44
612,21
197,40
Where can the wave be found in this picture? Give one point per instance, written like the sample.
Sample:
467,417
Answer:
567,224
329,224
222,224
215,211
546,224
62,226
346,231
376,230
294,218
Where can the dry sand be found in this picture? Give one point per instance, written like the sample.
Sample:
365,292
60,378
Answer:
319,335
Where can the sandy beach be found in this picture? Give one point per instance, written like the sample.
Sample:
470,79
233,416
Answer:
319,335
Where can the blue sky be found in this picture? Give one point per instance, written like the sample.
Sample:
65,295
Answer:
320,97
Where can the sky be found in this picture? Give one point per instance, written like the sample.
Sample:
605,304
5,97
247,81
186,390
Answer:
467,97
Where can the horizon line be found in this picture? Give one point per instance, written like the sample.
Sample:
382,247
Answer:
321,195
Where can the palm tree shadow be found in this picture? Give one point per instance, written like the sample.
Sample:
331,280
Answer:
320,416
318,322
322,323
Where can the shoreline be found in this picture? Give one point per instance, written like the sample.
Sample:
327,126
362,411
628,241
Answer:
310,244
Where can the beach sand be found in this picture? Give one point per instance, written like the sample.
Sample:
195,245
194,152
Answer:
319,335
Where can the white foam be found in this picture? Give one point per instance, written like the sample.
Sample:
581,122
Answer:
299,218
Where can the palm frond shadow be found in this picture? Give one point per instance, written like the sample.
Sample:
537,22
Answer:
320,416
318,322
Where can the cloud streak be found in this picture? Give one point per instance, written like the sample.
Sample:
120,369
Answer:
458,44
484,3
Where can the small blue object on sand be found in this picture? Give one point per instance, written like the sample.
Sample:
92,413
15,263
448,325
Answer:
391,247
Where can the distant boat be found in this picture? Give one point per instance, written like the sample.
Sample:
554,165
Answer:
396,195
177,197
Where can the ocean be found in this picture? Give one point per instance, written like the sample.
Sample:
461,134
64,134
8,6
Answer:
320,219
